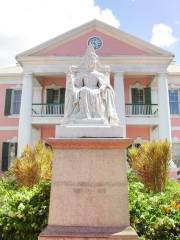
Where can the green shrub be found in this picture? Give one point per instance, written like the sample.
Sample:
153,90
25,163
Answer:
24,210
34,165
151,164
155,216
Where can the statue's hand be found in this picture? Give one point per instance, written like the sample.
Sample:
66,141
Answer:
76,104
102,88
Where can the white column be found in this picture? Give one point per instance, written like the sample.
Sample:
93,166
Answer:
24,133
164,112
120,98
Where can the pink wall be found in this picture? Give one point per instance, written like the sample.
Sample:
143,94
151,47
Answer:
47,132
134,132
175,133
77,46
47,81
131,80
59,81
6,120
175,121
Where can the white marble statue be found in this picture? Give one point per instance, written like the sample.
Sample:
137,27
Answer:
89,95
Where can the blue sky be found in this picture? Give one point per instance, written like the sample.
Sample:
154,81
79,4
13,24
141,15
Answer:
139,16
27,23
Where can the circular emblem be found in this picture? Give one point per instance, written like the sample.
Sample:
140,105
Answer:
95,42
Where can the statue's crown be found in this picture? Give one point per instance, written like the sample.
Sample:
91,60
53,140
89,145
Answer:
90,52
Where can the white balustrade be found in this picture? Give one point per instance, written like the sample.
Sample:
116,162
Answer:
47,109
141,109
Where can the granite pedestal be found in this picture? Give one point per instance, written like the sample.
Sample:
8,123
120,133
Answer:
89,192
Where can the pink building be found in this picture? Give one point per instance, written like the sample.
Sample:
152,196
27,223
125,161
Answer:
145,82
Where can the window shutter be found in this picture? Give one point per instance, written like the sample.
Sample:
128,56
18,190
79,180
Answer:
16,146
5,156
62,95
50,94
134,95
7,108
147,92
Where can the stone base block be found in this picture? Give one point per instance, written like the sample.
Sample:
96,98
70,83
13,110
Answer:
80,131
89,191
90,233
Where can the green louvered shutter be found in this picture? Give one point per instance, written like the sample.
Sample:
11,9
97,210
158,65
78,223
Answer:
134,94
50,96
147,93
62,95
16,146
7,108
5,156
62,100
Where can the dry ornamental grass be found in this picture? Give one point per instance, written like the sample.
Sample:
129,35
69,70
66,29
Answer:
151,163
34,164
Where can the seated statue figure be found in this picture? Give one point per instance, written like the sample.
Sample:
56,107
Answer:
89,95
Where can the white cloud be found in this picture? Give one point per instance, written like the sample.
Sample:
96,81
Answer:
26,23
162,35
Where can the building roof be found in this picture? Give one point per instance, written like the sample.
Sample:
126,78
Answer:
11,70
174,69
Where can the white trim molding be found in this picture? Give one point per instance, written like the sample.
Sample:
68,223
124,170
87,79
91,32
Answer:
12,140
8,80
8,128
13,116
175,128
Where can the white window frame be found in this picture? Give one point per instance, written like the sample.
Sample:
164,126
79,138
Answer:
12,102
139,87
58,90
52,86
178,90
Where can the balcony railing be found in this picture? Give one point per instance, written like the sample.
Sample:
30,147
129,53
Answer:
39,109
42,110
142,109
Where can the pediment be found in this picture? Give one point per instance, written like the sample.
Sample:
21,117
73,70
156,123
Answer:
77,47
114,43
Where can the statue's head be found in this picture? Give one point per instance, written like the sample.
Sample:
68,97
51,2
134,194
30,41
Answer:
90,59
91,62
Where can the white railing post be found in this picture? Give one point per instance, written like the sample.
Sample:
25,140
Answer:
141,109
47,109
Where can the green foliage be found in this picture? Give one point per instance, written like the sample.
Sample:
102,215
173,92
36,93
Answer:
151,163
24,210
154,216
34,165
